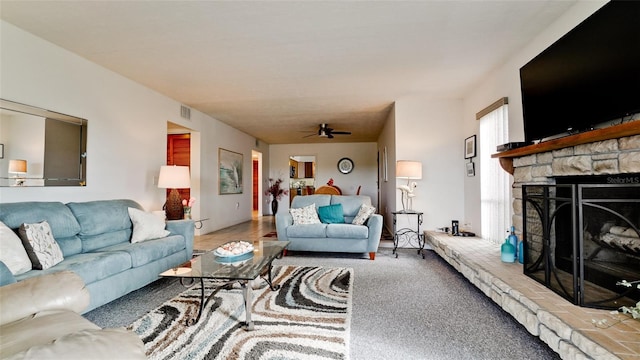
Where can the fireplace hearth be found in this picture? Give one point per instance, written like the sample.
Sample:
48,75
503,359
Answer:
582,237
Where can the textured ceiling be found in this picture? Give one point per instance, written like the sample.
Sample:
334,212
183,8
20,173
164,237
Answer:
276,70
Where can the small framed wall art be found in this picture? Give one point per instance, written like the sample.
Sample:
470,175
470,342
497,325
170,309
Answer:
470,147
471,169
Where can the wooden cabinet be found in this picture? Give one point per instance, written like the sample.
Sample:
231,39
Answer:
308,170
300,170
293,169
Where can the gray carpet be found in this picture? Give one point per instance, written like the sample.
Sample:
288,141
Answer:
405,308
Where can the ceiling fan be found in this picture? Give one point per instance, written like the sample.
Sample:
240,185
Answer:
325,131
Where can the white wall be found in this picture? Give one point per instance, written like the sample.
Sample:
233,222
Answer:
387,140
127,128
364,156
430,130
505,81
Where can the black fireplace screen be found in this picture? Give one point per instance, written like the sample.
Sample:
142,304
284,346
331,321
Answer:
581,240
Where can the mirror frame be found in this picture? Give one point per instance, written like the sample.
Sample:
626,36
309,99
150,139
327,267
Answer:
45,114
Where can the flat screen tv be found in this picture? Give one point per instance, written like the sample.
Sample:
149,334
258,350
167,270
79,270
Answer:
588,77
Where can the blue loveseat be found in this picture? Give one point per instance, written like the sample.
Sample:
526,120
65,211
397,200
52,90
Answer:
339,237
95,238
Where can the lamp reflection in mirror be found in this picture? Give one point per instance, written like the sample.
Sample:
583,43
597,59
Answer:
19,168
410,170
174,177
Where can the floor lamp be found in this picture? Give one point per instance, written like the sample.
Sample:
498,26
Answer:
408,169
174,177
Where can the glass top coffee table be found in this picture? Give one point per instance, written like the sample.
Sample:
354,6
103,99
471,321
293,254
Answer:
231,269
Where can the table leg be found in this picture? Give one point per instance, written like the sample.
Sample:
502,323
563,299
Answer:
204,303
247,293
269,278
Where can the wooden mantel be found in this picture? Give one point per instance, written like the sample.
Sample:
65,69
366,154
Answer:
612,132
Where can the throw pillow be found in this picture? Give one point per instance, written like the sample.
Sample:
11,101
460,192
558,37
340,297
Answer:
363,214
12,252
305,215
146,226
42,248
331,214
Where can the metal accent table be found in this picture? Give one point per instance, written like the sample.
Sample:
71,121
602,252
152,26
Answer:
408,236
241,269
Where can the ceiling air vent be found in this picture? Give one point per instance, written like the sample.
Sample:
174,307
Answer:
185,112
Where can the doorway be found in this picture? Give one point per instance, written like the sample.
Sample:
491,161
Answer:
256,182
179,153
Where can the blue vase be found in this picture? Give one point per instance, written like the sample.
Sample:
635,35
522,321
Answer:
507,252
521,252
513,239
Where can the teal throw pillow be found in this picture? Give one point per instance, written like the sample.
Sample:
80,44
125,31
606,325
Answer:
331,214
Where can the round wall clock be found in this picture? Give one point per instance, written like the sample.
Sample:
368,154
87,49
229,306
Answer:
345,165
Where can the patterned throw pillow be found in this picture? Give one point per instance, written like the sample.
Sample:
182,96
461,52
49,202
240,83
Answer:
305,215
12,251
363,214
146,226
38,241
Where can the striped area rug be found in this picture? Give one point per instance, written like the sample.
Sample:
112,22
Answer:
308,318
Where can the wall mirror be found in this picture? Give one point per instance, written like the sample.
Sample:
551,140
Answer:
41,147
302,170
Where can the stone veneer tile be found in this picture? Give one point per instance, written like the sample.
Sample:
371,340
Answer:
597,147
629,143
541,171
545,158
568,351
550,338
560,153
629,162
516,193
575,165
524,316
605,167
522,174
554,323
524,160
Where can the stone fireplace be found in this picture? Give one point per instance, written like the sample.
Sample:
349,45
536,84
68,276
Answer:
582,239
568,176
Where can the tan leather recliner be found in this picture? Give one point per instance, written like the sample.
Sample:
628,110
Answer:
40,319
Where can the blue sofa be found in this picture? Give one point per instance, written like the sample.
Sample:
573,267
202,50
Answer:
344,237
95,238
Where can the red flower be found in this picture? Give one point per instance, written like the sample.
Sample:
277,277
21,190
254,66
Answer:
275,190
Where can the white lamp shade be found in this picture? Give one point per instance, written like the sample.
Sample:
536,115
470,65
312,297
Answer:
408,169
18,166
174,177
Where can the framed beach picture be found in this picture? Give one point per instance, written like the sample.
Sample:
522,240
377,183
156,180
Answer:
230,167
470,147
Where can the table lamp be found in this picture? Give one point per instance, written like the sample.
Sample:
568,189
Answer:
18,167
174,177
408,169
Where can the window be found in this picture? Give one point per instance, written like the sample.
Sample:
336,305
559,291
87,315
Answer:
494,181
